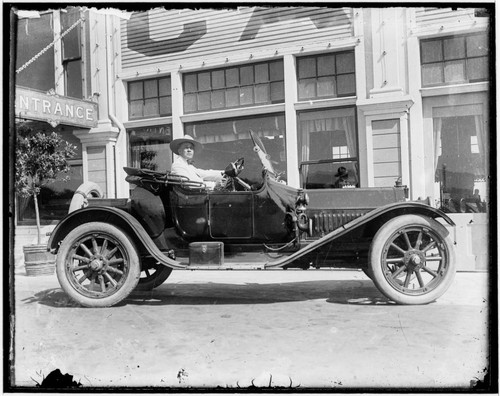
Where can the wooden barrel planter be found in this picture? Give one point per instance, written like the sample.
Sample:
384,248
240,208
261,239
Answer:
38,261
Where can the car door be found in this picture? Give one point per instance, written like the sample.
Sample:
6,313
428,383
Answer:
231,214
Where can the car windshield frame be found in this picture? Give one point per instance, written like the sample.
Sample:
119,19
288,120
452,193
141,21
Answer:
260,149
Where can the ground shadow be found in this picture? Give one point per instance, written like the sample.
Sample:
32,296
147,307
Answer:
357,292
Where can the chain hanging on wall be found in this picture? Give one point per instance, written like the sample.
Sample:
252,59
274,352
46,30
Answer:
82,19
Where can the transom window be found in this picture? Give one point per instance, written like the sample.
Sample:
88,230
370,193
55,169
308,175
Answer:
454,59
239,86
326,76
150,98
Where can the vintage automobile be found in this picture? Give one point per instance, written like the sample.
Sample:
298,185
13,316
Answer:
110,247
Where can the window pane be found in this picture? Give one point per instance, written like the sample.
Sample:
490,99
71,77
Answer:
477,69
190,103
54,199
477,45
136,108
149,147
432,74
166,106
135,90
204,100
218,79
246,75
203,81
431,51
454,71
276,70
71,41
327,135
190,83
232,77
232,97
326,65
326,86
41,29
454,48
307,88
165,89
461,169
277,92
307,67
345,63
150,88
262,93
74,79
151,107
346,84
261,73
246,95
218,99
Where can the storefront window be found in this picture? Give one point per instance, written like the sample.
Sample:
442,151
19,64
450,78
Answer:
238,86
54,198
328,151
149,147
150,98
460,158
225,141
326,76
452,60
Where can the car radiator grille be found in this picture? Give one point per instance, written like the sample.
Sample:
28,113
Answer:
325,222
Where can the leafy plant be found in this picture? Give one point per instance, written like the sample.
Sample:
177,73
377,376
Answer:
40,160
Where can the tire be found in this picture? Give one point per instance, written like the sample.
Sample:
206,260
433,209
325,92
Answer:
412,260
97,265
84,191
152,275
368,272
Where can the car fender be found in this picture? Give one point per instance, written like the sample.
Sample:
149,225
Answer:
381,214
118,217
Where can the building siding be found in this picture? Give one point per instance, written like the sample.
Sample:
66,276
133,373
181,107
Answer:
440,16
166,38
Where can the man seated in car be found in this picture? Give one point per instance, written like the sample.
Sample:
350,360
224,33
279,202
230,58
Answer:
185,149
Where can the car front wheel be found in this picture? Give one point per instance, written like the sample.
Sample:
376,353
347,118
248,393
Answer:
412,260
97,265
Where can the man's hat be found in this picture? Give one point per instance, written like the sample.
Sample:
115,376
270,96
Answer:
342,172
175,144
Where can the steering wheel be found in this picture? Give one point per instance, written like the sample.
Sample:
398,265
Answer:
235,168
232,171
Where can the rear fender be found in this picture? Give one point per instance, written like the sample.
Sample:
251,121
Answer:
114,216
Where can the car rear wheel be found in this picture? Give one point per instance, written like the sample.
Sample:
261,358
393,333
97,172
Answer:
152,275
97,265
412,260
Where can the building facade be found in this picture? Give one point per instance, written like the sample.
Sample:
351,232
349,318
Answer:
392,94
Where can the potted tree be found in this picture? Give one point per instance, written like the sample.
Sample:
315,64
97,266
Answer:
41,158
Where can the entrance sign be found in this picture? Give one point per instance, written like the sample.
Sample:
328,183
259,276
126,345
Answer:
55,109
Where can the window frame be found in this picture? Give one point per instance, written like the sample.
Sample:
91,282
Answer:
251,86
317,77
143,98
66,61
464,60
304,164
